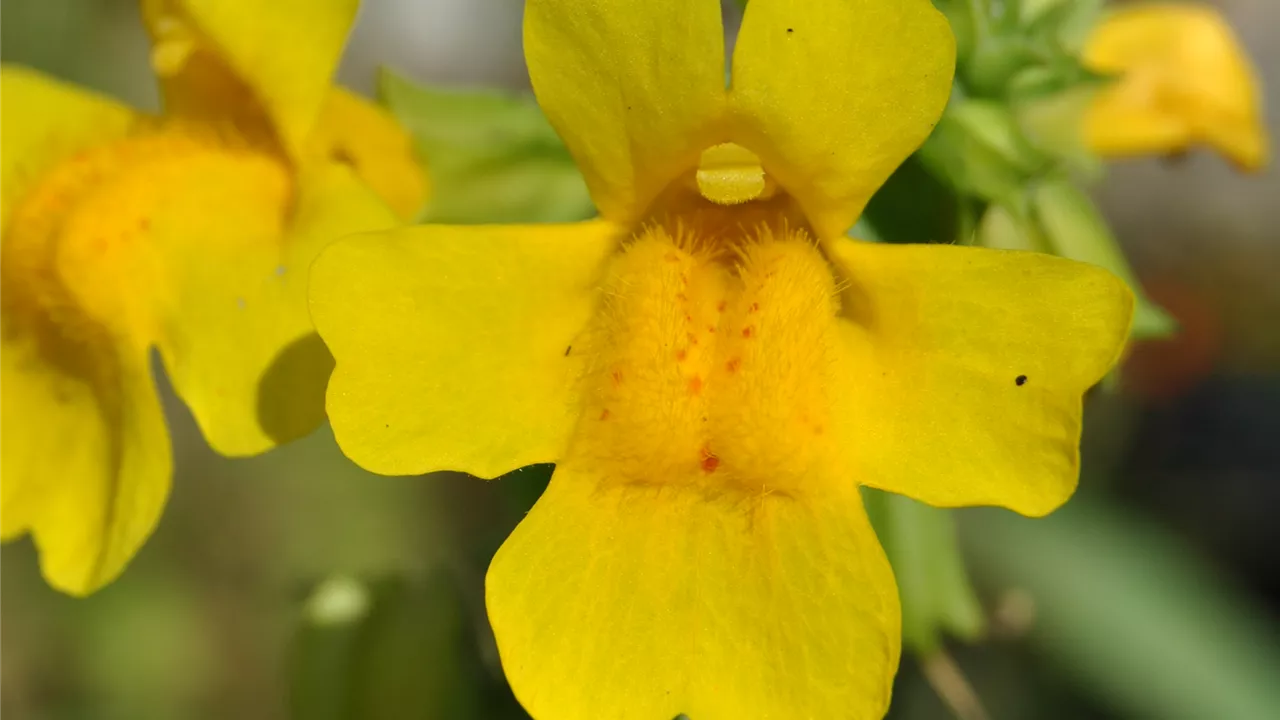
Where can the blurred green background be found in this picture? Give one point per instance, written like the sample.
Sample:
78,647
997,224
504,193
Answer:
296,585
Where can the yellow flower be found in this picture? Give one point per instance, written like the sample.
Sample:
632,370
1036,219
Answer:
1183,79
190,232
713,366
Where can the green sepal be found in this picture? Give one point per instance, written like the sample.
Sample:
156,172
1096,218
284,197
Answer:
1065,24
978,148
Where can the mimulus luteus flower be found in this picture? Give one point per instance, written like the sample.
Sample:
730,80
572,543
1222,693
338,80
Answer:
1181,79
190,232
712,365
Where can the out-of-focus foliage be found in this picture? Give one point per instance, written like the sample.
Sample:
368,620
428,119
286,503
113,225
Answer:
936,594
494,158
355,637
1133,613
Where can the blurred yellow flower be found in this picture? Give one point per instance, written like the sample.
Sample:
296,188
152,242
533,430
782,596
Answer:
190,232
1183,79
713,366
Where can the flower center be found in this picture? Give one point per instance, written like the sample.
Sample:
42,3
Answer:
99,237
710,364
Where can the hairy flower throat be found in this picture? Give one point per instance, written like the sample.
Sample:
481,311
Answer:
712,375
86,236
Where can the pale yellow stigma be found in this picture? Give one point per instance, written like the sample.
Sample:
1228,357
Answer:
729,174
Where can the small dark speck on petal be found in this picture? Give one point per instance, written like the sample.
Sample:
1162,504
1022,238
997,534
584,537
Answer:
1020,380
566,350
790,30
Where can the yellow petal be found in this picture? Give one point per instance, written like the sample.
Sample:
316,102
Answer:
632,601
634,89
834,94
1183,79
235,62
86,460
360,134
237,339
43,122
453,344
967,368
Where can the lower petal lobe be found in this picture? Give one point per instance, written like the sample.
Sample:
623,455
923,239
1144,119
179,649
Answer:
454,345
966,369
646,601
86,459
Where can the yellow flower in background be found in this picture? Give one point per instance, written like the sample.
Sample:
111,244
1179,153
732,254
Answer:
1183,79
190,232
712,365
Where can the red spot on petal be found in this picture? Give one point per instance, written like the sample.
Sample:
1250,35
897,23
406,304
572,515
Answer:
682,297
733,365
617,377
709,461
711,328
144,224
682,354
755,307
604,414
720,307
746,331
695,385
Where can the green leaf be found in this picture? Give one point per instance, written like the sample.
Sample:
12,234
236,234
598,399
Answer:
492,157
1131,613
936,594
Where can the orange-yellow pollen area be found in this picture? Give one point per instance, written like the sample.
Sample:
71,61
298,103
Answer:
710,366
96,239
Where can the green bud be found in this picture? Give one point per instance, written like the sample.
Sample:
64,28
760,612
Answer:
1053,124
993,63
1005,227
1064,23
979,149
